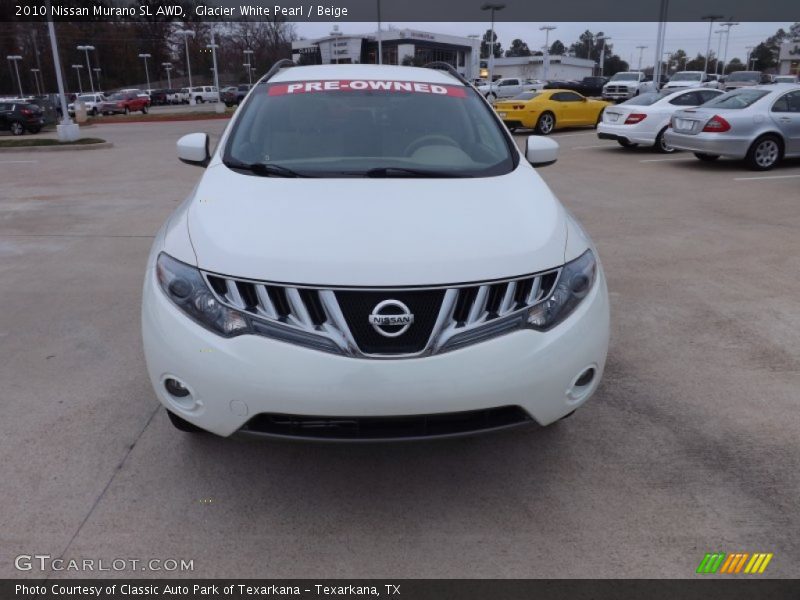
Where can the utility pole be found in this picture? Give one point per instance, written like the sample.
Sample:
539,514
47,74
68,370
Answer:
187,33
719,48
78,71
710,19
168,68
492,8
729,24
145,56
602,51
219,107
15,58
546,63
88,64
249,65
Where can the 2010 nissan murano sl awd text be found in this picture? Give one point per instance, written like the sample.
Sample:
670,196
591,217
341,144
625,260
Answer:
368,256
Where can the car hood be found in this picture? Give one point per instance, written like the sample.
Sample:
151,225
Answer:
375,231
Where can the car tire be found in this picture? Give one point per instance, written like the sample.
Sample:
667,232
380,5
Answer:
144,110
94,112
626,143
198,100
16,128
491,96
661,145
546,123
127,111
764,153
706,157
183,424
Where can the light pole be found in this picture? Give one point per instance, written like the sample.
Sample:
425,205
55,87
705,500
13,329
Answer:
546,66
729,24
710,19
78,71
719,48
249,55
492,8
220,108
97,78
144,57
36,79
603,51
667,62
187,33
641,49
15,58
88,64
380,35
749,52
67,130
168,67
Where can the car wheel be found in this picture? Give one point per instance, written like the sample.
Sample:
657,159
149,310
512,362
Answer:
626,143
94,112
491,96
765,153
144,110
183,424
17,128
706,157
127,111
661,144
546,123
198,100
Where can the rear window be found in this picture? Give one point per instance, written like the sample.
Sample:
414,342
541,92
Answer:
737,99
644,99
744,76
338,128
526,96
686,77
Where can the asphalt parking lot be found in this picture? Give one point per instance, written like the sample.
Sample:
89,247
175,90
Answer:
690,446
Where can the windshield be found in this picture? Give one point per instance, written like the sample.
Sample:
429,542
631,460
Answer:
117,96
645,99
353,128
86,98
736,99
743,76
788,79
625,77
686,77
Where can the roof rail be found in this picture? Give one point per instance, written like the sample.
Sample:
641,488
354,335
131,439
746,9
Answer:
445,66
284,62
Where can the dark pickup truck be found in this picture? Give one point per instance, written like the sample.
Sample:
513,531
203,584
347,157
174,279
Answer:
588,86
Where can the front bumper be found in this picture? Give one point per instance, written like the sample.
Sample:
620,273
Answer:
709,143
231,381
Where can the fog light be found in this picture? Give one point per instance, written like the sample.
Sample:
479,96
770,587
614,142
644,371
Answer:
585,378
175,388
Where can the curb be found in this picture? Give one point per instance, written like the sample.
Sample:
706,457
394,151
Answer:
99,146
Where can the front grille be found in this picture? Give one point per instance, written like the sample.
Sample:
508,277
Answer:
340,320
386,428
423,304
616,89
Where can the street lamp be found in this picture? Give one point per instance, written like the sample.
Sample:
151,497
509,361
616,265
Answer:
641,49
187,33
144,57
15,58
78,71
249,55
710,19
97,78
492,8
88,64
213,46
719,47
168,68
603,51
667,62
36,79
729,24
749,52
546,66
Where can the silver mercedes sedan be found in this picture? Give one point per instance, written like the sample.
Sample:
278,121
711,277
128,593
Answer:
760,125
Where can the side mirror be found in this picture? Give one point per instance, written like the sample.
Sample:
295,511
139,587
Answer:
193,149
541,151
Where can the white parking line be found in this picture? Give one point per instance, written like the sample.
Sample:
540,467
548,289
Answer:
766,177
560,135
666,159
590,147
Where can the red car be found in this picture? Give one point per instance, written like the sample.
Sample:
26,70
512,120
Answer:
124,103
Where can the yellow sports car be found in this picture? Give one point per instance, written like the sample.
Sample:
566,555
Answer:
550,109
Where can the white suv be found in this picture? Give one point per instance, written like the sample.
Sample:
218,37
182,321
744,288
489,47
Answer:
369,256
204,93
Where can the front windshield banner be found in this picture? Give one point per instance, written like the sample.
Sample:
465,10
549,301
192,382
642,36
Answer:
333,85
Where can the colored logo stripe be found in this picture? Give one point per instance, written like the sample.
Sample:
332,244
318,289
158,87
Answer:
734,563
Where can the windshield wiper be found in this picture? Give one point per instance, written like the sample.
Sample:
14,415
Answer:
264,169
407,172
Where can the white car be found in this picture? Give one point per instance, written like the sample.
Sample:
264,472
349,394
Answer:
644,119
688,79
92,102
510,87
368,255
204,93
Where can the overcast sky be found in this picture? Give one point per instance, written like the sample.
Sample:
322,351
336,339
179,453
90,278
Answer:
691,37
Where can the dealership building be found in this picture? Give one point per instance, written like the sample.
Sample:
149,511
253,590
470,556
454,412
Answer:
461,52
532,67
789,58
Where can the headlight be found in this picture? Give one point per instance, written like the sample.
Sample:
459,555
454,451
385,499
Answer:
574,284
187,289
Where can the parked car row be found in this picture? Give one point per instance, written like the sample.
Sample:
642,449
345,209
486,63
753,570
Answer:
757,124
19,117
